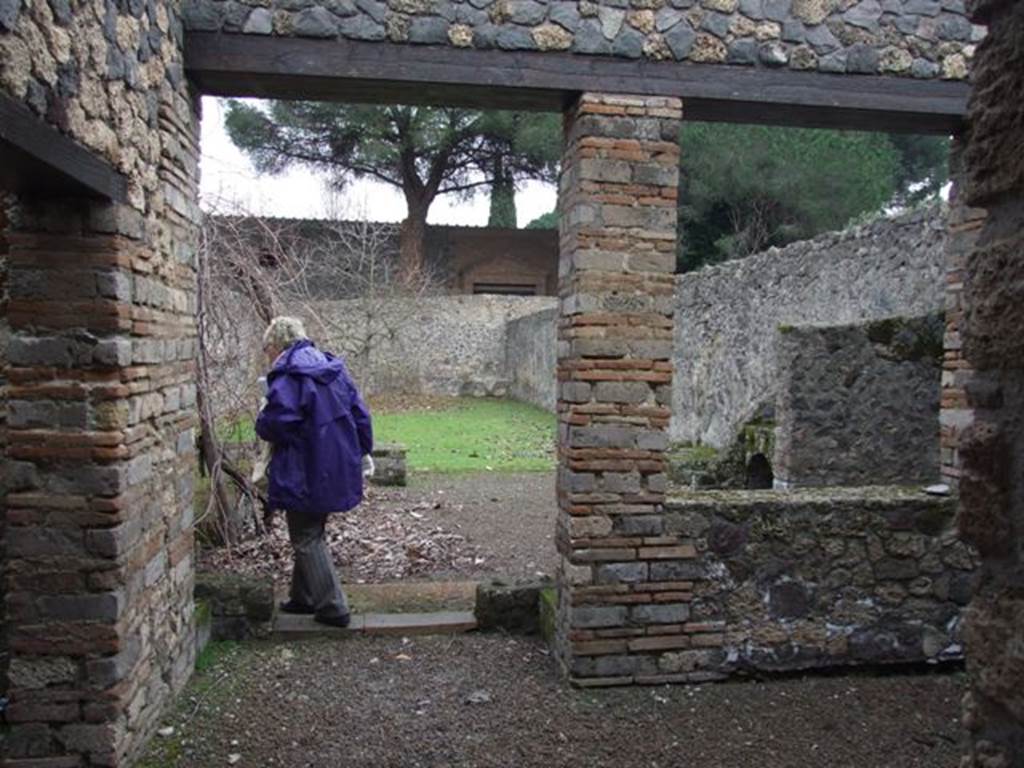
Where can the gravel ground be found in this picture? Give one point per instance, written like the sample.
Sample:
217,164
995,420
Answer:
510,518
491,700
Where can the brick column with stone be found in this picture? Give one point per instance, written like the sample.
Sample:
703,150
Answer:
964,224
625,579
99,464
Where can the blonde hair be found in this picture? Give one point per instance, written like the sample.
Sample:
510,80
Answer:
283,332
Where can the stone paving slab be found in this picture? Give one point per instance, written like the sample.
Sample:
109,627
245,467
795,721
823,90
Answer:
290,626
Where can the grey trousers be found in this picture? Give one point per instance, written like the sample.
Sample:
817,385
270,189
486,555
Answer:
314,581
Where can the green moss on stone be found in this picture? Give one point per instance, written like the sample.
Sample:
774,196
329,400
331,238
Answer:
548,613
213,653
884,331
203,612
910,339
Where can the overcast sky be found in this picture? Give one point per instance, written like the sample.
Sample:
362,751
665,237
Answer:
229,182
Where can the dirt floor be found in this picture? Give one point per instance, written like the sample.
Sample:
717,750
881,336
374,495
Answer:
490,700
509,518
440,527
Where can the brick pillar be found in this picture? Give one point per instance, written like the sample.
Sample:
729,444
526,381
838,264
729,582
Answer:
99,470
625,580
4,334
964,224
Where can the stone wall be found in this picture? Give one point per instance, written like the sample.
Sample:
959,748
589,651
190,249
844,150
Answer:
488,259
992,346
811,578
530,352
911,38
818,578
5,333
461,259
442,345
859,404
99,454
727,315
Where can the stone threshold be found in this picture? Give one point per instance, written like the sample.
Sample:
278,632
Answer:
290,626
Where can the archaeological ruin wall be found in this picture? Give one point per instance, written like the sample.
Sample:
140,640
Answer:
444,345
811,579
100,397
987,351
531,350
726,334
100,400
922,39
858,404
819,578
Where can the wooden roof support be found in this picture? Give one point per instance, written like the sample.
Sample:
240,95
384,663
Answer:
344,70
36,159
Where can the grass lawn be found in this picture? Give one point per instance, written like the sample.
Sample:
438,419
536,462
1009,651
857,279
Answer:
460,435
472,435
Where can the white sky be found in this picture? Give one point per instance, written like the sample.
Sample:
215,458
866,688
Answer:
228,177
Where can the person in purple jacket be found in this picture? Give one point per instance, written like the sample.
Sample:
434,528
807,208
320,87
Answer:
321,437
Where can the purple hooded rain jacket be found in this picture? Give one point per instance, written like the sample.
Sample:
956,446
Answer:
320,429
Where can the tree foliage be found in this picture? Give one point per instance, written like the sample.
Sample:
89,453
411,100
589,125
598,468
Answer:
547,220
424,152
744,188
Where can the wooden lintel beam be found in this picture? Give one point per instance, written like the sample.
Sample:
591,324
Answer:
343,70
37,159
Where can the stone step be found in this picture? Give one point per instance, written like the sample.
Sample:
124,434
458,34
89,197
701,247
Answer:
291,626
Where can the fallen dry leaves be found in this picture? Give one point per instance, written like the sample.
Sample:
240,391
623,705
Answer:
387,538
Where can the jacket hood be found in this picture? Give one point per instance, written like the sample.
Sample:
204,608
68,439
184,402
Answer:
303,359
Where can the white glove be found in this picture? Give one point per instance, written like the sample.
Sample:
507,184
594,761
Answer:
368,468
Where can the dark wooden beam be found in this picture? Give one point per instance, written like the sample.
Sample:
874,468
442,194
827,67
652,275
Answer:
37,159
342,70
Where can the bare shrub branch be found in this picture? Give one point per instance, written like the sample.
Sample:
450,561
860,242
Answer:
341,277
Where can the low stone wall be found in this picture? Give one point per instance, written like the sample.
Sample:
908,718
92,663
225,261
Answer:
240,607
727,315
859,404
779,581
530,356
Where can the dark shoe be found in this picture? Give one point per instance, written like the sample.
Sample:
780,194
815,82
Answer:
334,621
290,606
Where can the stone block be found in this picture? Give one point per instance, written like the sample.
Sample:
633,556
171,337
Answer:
630,392
389,465
640,525
596,616
621,573
242,606
35,673
603,436
511,605
106,607
590,526
677,570
669,613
